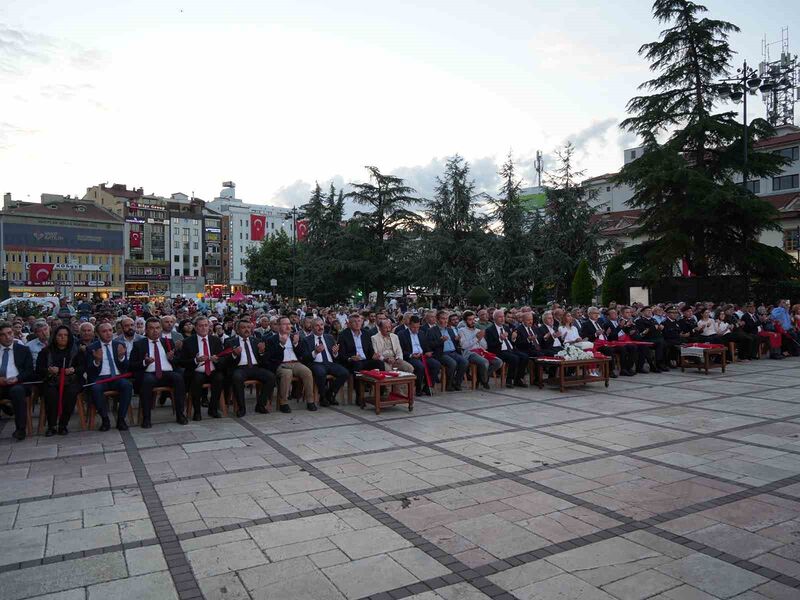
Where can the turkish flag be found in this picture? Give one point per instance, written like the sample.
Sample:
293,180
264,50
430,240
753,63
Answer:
302,230
40,272
258,227
685,270
136,239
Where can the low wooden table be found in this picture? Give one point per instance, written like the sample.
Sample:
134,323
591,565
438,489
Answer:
407,380
581,366
705,362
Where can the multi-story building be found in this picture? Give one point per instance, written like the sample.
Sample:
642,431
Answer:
146,236
240,226
62,245
619,220
215,262
186,245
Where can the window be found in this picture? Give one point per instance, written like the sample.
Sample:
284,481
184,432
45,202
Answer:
177,272
240,235
786,182
608,188
176,244
754,186
633,154
196,273
186,231
790,153
177,258
194,244
791,239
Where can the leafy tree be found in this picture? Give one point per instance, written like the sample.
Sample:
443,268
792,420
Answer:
271,260
582,285
456,242
511,264
615,281
691,205
568,232
386,229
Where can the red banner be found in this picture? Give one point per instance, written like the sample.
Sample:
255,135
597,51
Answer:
302,230
258,227
40,272
136,239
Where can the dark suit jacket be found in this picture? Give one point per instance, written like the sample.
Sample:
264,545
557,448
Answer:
258,358
274,356
523,343
23,359
405,342
672,331
347,345
750,323
589,332
140,351
93,371
649,326
492,338
541,331
189,352
435,334
310,342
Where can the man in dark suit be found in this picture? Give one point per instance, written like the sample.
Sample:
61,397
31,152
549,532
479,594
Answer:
446,348
286,354
355,348
650,330
324,351
16,367
106,358
152,365
500,340
527,341
247,363
548,335
415,345
202,365
593,330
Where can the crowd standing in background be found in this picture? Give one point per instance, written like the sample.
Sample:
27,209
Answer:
205,353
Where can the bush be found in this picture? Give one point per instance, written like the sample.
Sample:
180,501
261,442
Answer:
478,296
582,285
615,282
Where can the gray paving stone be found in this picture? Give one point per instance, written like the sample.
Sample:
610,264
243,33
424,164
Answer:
712,575
641,585
419,564
734,540
271,535
498,536
308,585
76,540
563,587
224,558
369,576
524,575
62,576
223,587
368,542
154,586
147,559
267,575
19,545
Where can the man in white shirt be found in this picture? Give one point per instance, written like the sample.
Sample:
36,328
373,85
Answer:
324,352
247,363
42,331
151,364
16,367
285,354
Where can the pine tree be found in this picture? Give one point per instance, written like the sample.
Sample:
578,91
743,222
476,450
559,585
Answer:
456,242
615,282
511,262
582,285
692,207
272,259
386,227
568,233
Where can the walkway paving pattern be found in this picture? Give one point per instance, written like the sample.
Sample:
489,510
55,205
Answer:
671,487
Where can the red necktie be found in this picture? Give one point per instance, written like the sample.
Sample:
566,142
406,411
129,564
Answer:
247,352
169,343
207,364
157,356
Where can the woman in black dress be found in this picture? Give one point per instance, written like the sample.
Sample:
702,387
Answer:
61,352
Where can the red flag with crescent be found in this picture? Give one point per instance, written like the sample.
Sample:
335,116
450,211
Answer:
136,239
302,230
40,272
258,227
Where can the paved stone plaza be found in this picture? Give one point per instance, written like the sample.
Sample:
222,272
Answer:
676,486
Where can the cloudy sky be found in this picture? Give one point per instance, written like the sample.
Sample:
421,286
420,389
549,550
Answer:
180,95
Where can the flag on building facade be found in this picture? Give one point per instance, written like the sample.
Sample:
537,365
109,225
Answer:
136,239
40,272
258,227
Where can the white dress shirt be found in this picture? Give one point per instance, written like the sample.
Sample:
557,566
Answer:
105,367
318,355
201,368
288,351
556,341
504,344
154,347
11,368
245,344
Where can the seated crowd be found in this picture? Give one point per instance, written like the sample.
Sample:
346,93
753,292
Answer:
312,353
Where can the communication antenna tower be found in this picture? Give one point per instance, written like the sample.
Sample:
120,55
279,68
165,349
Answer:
780,79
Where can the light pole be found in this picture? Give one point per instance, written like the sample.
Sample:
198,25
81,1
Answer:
293,216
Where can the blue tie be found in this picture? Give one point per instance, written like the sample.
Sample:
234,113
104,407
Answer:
4,364
110,360
324,350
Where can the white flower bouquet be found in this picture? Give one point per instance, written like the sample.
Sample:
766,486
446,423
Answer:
574,353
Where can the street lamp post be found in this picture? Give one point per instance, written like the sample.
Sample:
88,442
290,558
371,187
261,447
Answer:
293,216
